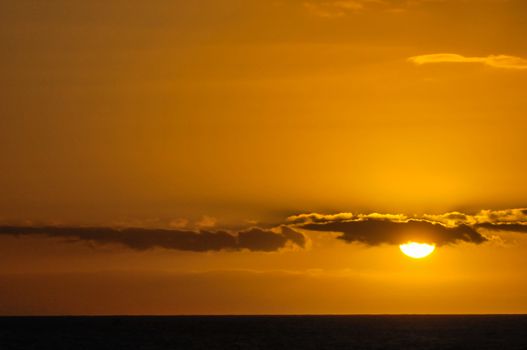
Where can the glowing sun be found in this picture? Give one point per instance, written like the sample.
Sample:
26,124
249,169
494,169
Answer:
417,250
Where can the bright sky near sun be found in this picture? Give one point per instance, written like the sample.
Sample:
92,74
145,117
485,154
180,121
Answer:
277,129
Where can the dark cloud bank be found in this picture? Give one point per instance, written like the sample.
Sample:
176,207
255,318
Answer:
254,239
378,231
443,229
370,229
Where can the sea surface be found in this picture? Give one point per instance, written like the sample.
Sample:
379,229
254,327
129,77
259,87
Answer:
265,332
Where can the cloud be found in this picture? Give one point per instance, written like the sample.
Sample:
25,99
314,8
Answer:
315,217
206,222
254,239
338,8
518,228
496,61
441,229
261,240
378,231
369,229
341,8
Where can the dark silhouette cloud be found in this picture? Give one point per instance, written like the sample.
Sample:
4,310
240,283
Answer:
370,229
513,227
379,231
255,239
441,229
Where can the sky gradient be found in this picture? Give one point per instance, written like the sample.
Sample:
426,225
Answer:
250,156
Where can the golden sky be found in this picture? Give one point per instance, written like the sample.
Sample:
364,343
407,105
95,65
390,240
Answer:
251,156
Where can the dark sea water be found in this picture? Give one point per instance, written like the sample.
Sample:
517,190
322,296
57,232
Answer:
265,332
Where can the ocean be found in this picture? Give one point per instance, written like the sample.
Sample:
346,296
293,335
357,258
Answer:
265,332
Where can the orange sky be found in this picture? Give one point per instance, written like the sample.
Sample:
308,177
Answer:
133,127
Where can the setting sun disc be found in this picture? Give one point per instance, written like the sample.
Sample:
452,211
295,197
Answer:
417,250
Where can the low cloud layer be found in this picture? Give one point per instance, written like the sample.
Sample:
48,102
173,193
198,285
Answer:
376,232
369,229
495,61
443,229
254,239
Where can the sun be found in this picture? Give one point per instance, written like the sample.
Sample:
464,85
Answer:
417,250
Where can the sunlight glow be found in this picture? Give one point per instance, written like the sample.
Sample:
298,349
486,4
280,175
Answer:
417,250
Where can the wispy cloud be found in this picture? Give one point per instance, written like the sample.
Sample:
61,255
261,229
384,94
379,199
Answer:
338,8
341,8
496,61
